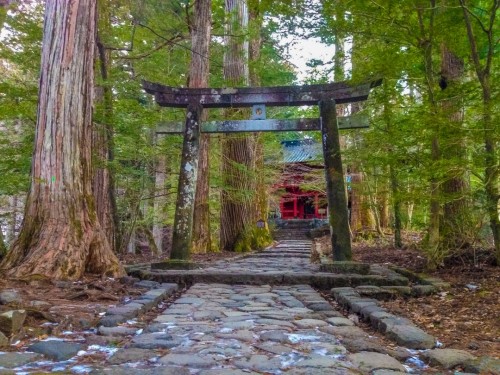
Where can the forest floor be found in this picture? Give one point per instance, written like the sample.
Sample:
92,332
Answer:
464,317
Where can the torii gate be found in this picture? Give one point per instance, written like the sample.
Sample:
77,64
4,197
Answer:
326,96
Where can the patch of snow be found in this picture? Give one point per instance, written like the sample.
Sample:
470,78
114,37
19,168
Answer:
414,365
296,338
103,349
288,360
81,369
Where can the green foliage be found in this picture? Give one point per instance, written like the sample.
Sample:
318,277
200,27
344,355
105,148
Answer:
150,40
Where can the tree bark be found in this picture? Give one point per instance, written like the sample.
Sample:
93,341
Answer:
4,6
396,203
426,43
3,248
198,77
102,147
393,175
262,194
455,223
61,237
238,151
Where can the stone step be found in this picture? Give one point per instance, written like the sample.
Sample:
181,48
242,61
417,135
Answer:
324,281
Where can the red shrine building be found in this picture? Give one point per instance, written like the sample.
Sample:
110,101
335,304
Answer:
303,170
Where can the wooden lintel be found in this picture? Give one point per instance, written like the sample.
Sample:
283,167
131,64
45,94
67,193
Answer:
274,125
341,92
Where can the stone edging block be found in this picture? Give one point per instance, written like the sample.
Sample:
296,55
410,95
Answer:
138,306
429,284
398,329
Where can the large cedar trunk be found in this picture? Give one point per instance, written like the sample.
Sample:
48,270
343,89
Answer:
61,237
238,151
262,195
198,77
426,44
102,138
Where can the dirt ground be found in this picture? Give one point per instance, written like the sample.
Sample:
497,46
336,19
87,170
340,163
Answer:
464,317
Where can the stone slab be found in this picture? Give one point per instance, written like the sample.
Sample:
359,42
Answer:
56,350
411,337
12,360
447,358
370,361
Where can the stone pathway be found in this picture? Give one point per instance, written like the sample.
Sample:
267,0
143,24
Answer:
242,327
287,264
233,329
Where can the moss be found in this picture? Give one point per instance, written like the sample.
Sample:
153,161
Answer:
75,223
253,239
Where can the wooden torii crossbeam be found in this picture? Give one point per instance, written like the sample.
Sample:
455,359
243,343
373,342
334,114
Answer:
324,95
282,96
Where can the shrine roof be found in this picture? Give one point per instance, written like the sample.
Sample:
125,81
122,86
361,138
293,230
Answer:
301,151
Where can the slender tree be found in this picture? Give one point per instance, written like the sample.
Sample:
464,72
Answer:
4,4
483,68
61,237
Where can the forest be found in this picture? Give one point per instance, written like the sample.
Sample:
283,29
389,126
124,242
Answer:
425,174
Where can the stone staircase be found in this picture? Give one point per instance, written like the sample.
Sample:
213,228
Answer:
297,229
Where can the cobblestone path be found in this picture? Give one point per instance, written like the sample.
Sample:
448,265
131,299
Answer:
218,328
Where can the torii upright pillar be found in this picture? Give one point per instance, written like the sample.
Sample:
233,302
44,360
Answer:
338,214
186,192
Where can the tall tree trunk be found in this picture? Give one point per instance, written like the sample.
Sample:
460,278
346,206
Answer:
396,203
198,77
384,208
355,200
393,176
455,223
102,147
491,127
426,43
4,5
238,151
61,237
262,196
11,229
